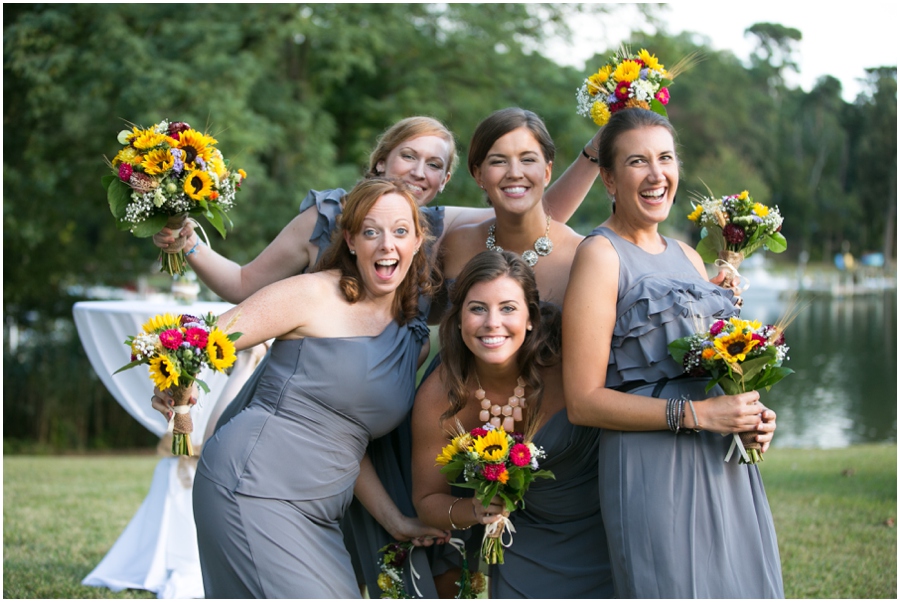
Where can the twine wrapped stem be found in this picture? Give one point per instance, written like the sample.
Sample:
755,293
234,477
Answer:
182,425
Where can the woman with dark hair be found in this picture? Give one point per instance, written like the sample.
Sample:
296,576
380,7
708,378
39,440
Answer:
511,158
681,522
496,337
272,484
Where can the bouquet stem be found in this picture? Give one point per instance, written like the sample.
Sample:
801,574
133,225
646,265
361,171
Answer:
731,261
492,545
182,425
752,447
174,263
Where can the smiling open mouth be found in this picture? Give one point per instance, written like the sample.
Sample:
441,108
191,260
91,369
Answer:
385,268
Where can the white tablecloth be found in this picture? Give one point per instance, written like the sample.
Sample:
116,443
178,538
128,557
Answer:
157,551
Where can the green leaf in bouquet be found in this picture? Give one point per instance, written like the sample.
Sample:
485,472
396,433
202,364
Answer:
234,336
453,468
118,195
753,366
215,217
201,384
107,180
679,348
543,474
129,365
516,480
776,243
771,377
710,245
658,108
150,226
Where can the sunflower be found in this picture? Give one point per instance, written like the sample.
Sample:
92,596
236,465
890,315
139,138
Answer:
157,324
198,185
744,325
220,350
627,71
493,447
194,144
163,372
157,162
650,60
447,454
596,81
148,139
735,346
696,213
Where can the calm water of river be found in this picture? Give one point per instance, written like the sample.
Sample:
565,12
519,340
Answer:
844,353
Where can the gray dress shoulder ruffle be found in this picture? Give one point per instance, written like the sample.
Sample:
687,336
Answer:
559,548
272,484
681,522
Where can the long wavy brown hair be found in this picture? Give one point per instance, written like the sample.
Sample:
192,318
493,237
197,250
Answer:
540,349
357,205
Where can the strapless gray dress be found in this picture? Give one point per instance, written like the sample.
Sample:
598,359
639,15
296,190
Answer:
559,547
680,521
273,484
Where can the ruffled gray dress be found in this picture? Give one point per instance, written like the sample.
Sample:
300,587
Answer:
559,548
681,523
391,454
272,484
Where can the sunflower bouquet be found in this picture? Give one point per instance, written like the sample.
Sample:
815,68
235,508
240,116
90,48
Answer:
395,555
165,173
741,356
734,227
628,80
177,348
493,463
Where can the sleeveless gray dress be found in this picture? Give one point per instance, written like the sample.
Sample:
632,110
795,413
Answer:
272,484
391,454
681,523
559,547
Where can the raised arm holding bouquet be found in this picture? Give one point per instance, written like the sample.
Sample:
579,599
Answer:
164,174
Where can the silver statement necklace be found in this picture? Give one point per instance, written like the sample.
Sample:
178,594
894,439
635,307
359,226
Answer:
543,246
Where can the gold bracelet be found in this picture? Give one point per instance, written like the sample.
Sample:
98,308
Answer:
450,516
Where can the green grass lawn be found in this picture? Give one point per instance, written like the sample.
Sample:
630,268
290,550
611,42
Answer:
834,510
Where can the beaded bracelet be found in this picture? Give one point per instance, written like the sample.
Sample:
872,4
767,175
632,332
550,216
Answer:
450,516
588,157
194,248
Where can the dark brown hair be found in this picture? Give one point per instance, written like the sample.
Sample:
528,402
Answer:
541,347
624,121
502,122
357,205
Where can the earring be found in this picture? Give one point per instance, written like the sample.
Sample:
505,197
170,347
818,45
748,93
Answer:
416,251
352,252
528,328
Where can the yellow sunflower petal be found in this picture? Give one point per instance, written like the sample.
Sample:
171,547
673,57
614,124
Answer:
220,350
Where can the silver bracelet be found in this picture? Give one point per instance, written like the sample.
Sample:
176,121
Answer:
450,516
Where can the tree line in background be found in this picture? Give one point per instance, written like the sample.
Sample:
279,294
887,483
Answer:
297,95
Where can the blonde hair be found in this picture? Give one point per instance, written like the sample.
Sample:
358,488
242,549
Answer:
407,129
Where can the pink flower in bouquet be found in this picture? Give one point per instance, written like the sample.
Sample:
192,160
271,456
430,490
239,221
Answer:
125,171
171,339
478,432
622,90
520,455
197,337
663,96
496,472
716,328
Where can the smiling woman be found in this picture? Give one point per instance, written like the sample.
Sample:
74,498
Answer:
352,326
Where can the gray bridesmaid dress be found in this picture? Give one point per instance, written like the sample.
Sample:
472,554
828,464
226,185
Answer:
272,484
680,521
559,548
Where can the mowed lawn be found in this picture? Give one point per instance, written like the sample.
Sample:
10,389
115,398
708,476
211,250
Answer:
835,513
